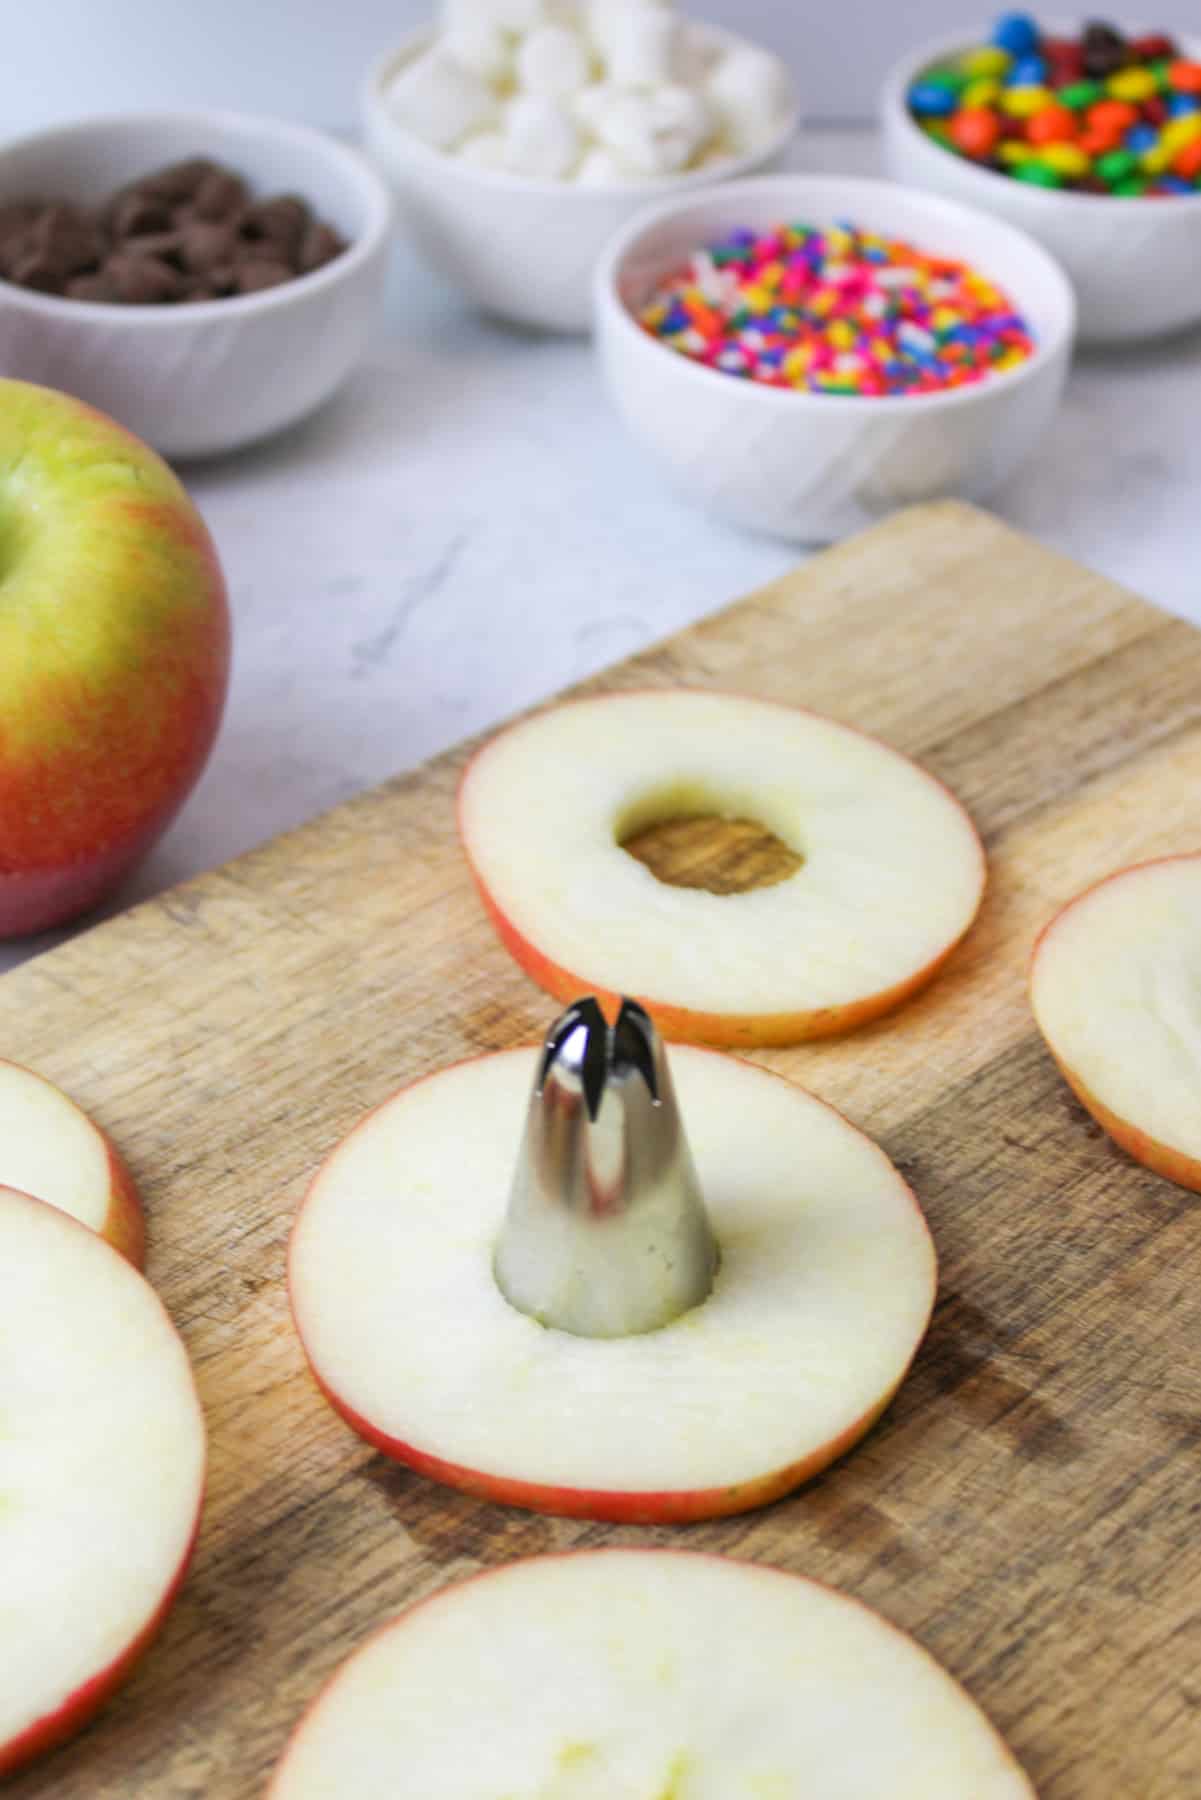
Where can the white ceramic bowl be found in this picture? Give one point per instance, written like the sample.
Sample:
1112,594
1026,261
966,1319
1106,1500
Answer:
522,249
815,466
1135,264
209,376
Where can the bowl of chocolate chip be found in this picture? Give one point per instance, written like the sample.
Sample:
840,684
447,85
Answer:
205,278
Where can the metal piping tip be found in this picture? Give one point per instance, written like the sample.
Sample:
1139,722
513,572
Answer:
606,1234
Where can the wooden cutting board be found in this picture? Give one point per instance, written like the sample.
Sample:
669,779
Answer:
1030,1508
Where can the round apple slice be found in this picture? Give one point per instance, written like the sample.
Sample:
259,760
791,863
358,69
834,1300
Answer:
49,1147
1116,988
101,1472
824,1289
609,1673
890,871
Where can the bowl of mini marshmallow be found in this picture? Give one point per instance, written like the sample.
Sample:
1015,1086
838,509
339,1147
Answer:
520,135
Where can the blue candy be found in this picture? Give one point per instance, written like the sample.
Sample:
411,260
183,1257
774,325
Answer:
930,101
1141,137
1181,104
1175,184
1027,71
1017,33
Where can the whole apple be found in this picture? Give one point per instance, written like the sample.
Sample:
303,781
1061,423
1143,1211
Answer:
114,653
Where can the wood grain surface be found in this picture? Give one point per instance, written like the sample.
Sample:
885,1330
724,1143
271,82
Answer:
1029,1508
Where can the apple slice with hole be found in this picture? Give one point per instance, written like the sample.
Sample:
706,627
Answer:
101,1473
606,1674
49,1147
823,1291
1115,983
868,870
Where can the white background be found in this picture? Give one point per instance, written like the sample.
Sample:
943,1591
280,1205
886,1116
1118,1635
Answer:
305,58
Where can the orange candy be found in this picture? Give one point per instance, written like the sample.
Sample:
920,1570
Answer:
1187,162
1053,125
1112,115
1185,77
975,131
1096,143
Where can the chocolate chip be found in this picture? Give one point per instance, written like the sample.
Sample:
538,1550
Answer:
100,286
319,245
221,195
205,244
1105,50
67,239
178,181
40,272
281,222
135,214
254,277
142,280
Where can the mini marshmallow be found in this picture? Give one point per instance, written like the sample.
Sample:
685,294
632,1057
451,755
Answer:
438,100
590,104
603,17
482,46
540,137
600,168
553,60
521,15
486,150
749,90
646,48
657,133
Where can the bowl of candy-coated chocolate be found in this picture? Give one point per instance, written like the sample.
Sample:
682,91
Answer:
519,137
204,278
1089,138
804,353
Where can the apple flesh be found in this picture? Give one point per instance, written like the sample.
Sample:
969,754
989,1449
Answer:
891,877
1115,983
823,1292
50,1148
103,1473
612,1673
114,647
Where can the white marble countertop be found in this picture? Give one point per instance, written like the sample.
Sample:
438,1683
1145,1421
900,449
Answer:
466,529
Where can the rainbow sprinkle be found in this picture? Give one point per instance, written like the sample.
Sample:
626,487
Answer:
837,311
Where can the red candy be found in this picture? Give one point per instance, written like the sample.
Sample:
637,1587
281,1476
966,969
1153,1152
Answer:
1064,60
1187,162
1157,47
1115,116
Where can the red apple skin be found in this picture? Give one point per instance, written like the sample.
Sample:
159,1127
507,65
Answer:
611,1506
55,1728
717,1031
116,606
1161,1159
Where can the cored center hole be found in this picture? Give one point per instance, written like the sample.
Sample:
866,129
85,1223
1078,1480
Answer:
723,856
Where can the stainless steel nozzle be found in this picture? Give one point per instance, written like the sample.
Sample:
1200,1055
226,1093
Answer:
606,1233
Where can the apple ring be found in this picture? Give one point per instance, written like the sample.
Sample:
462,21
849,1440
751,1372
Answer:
892,871
823,1293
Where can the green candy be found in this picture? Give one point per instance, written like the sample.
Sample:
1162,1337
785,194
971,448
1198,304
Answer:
1160,72
935,129
951,80
1080,94
1038,174
1133,185
1116,165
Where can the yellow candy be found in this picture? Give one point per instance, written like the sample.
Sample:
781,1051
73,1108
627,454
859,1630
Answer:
1065,159
841,335
1155,161
798,362
1178,132
943,318
1024,102
1135,85
1014,151
982,92
758,299
989,59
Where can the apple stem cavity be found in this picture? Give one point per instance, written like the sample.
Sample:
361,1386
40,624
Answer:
606,1234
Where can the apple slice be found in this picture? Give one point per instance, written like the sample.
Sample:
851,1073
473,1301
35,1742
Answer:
101,1473
50,1148
608,1674
1115,983
824,1289
891,872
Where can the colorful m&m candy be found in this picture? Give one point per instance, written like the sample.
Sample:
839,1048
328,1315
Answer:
1097,114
